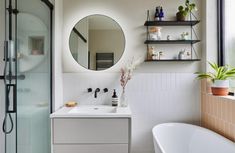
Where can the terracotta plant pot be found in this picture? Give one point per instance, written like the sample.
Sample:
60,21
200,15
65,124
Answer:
220,88
219,91
180,16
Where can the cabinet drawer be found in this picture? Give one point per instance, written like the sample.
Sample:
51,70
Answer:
101,148
84,131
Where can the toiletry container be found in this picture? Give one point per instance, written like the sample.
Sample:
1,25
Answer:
114,99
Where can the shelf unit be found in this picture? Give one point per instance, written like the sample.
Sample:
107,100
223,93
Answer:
191,23
171,23
171,41
174,60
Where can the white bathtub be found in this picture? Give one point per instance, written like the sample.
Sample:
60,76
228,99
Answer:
186,138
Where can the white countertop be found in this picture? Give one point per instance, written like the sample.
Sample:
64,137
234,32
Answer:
92,111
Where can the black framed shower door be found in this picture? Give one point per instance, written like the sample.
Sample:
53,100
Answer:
27,75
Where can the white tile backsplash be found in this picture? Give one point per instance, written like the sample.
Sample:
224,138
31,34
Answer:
153,97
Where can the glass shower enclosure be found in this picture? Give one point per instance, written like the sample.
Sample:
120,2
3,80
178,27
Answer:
27,75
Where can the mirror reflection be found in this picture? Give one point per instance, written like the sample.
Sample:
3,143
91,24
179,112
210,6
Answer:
97,42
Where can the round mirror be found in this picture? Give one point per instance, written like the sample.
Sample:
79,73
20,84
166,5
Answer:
97,42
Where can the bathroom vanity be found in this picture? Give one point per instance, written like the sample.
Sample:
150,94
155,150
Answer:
91,129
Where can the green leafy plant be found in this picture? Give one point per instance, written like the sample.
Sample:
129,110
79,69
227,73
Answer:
220,73
189,7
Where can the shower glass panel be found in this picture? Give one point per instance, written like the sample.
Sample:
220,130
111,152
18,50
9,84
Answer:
31,47
10,71
33,92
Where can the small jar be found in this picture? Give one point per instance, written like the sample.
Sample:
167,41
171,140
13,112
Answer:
154,55
155,33
150,52
185,36
181,55
158,32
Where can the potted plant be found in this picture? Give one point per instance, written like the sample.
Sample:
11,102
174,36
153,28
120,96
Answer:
219,78
184,11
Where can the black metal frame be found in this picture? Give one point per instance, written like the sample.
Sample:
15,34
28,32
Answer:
221,34
11,79
220,29
9,75
51,7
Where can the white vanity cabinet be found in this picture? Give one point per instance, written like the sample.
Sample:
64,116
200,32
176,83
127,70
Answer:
91,129
91,135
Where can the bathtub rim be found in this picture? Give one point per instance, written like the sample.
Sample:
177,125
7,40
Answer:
188,125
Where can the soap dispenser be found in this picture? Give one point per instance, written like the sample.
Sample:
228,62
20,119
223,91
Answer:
114,99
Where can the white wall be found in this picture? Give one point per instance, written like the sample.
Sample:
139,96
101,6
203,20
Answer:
57,58
159,92
2,101
154,98
209,33
132,25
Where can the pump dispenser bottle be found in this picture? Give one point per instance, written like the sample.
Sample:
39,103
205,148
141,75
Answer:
114,99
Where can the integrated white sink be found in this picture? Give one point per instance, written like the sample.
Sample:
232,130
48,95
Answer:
92,111
86,109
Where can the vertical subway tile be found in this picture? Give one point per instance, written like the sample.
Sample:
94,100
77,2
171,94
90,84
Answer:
207,104
233,112
233,131
220,108
214,99
227,130
223,110
230,111
222,127
208,86
203,86
227,110
217,107
217,125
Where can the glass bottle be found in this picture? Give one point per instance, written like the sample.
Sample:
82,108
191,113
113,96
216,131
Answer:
123,100
161,14
156,17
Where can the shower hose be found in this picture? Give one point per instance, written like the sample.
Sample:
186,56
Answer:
8,114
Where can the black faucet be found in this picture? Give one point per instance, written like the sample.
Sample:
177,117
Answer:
105,90
96,91
89,90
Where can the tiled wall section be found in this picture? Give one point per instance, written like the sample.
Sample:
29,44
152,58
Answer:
154,98
218,113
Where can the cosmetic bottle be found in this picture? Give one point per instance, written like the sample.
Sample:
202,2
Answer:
161,14
114,99
156,17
